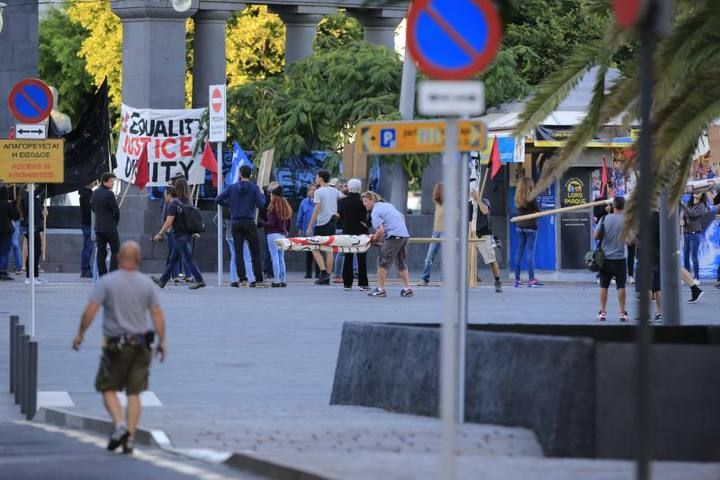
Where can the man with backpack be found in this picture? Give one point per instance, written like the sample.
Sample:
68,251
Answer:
185,221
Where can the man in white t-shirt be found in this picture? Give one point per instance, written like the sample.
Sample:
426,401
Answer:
323,220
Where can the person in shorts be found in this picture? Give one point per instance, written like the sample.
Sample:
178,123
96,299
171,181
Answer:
323,221
127,296
486,241
389,225
610,234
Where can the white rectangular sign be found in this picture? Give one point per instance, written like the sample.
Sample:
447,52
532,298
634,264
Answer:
31,131
436,97
217,107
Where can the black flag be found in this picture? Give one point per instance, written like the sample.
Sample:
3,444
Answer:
87,147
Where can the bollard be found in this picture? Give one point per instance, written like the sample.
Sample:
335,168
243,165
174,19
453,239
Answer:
24,341
31,398
19,331
14,320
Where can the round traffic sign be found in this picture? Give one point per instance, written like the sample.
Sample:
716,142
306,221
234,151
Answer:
629,12
30,101
453,39
216,100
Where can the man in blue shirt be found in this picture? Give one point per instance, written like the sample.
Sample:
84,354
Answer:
305,211
389,225
244,198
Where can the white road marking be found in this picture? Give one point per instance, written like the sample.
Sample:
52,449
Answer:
54,400
148,399
139,454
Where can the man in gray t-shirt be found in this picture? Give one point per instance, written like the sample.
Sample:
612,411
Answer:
609,233
127,296
322,222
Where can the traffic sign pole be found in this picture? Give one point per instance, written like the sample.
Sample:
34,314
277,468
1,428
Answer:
31,254
219,216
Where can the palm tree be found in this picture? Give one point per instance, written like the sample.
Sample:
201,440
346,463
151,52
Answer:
686,94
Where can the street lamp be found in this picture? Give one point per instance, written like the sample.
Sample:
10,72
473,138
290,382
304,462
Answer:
2,7
181,5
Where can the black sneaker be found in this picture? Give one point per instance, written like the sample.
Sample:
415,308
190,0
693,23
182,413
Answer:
159,283
498,286
128,445
407,292
235,284
323,280
377,293
197,285
658,317
118,437
697,293
283,284
276,285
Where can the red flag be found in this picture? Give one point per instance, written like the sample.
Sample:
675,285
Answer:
604,179
495,163
11,134
210,162
142,172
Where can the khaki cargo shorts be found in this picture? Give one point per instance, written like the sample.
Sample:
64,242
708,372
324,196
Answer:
486,249
393,250
126,368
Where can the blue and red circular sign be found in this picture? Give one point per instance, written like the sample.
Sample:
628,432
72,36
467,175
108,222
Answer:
453,39
30,101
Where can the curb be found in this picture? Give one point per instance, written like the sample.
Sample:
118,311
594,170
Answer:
157,438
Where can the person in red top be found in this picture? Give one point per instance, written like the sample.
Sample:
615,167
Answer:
278,226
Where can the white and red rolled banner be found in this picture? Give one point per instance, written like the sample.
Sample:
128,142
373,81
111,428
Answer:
333,243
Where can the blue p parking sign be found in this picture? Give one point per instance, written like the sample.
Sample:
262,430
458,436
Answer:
388,138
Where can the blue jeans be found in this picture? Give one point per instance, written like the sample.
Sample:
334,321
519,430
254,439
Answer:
246,257
183,250
277,256
87,250
5,241
690,252
526,245
432,252
16,246
179,267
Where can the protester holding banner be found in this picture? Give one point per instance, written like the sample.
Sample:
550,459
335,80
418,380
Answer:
353,216
107,217
527,231
278,226
323,219
183,237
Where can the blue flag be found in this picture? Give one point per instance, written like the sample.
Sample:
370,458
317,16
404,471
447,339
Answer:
238,160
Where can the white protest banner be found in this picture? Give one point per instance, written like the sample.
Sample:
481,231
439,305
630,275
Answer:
170,136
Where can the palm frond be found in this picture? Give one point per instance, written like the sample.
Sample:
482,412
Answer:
559,85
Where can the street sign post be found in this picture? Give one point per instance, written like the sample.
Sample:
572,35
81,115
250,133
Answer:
452,40
421,136
29,131
451,98
30,101
218,133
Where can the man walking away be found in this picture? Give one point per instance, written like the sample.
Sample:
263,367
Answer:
244,198
126,296
610,233
107,216
485,235
389,225
323,219
183,241
85,225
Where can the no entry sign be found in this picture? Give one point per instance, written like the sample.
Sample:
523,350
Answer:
217,114
453,39
30,101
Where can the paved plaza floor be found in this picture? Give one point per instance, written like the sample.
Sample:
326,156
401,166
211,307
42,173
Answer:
252,370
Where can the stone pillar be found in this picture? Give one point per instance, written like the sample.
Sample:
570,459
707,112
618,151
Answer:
18,52
300,29
153,53
209,47
378,29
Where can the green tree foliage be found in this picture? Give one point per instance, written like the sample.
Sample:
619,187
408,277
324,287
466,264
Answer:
60,64
336,31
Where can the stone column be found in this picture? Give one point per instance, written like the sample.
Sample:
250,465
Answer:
18,52
378,29
210,60
300,29
153,53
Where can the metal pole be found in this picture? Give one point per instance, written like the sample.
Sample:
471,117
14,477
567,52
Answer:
22,384
669,257
643,405
407,87
451,270
463,284
31,391
17,372
31,255
14,320
220,238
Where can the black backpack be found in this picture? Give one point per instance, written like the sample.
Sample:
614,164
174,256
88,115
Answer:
192,219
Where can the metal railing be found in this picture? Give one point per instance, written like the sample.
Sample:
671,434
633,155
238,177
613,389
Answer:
23,368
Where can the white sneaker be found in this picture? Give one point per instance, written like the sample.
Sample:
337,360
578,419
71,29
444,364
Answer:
38,281
631,280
